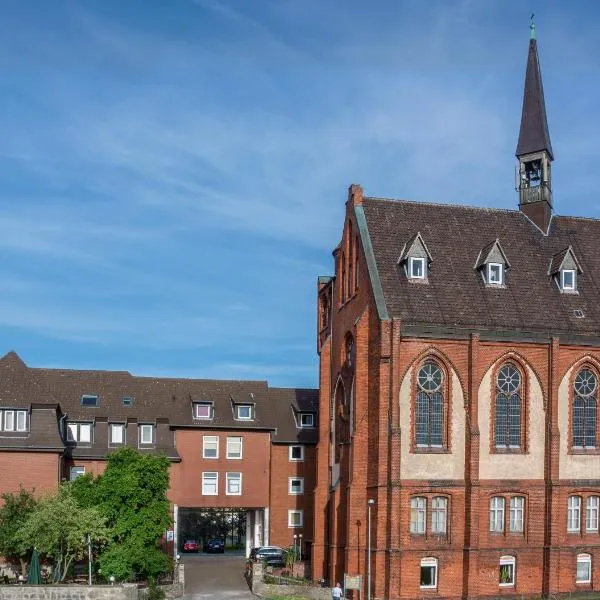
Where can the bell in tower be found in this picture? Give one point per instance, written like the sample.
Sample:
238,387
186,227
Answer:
534,150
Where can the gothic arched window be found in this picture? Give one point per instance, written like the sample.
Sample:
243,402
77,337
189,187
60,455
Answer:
507,425
429,413
584,409
349,350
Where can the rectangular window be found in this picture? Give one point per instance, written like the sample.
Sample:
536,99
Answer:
418,512
584,569
210,484
244,412
439,509
76,472
9,420
296,486
495,272
497,514
429,567
234,484
117,434
591,513
79,432
296,453
517,513
234,447
203,410
567,279
307,420
416,268
507,571
127,400
295,518
574,513
21,420
89,400
210,446
146,434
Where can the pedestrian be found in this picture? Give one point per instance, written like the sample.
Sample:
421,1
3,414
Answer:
336,592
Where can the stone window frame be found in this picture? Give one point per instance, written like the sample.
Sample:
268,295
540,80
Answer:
446,447
525,389
576,369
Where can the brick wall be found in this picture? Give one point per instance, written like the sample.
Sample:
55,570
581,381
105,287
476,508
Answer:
37,470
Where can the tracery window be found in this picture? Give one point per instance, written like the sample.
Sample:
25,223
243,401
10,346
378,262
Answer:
584,409
429,413
507,424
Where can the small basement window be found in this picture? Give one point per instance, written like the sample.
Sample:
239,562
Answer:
89,400
495,274
417,268
568,282
429,568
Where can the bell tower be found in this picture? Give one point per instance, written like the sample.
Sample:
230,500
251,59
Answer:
534,150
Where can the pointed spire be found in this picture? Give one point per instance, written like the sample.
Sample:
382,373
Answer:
534,135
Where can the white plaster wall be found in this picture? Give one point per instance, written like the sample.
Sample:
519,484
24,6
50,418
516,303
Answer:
572,466
433,466
512,466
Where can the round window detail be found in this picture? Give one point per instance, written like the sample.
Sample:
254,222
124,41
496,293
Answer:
430,377
509,379
585,383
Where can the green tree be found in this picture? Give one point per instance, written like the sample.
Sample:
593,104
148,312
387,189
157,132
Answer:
14,511
59,527
132,495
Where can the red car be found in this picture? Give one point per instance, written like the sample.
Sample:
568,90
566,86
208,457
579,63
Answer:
191,546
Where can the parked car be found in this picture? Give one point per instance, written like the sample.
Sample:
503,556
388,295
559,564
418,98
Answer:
191,546
214,546
271,555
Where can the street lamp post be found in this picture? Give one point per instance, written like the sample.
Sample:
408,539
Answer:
300,547
370,504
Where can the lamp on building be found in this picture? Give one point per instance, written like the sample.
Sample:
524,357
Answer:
300,547
370,504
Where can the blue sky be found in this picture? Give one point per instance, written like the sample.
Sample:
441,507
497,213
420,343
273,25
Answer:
173,172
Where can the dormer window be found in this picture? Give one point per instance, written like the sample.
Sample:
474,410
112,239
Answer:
307,420
417,268
495,274
203,410
568,280
243,412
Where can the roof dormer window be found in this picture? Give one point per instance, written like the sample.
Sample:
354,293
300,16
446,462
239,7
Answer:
307,420
415,259
417,268
565,268
243,412
495,274
568,280
203,410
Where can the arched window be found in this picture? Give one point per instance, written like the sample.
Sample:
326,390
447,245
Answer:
350,261
439,512
324,311
429,417
584,409
507,426
418,514
349,350
356,278
343,278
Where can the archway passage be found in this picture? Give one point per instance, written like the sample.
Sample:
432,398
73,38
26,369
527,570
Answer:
205,524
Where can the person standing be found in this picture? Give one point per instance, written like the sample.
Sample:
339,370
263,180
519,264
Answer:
336,592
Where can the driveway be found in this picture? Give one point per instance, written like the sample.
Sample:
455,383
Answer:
215,576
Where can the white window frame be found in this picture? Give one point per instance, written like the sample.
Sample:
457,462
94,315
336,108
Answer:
116,427
574,514
439,515
516,520
210,478
414,260
295,511
592,511
508,561
230,440
207,442
210,407
490,269
418,515
238,415
79,470
290,452
497,509
587,560
145,427
74,429
12,420
310,417
295,492
233,476
21,414
573,286
429,562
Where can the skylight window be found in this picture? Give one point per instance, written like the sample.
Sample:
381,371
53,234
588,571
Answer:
127,401
89,400
495,274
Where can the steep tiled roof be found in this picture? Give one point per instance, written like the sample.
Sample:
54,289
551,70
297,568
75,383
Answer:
456,296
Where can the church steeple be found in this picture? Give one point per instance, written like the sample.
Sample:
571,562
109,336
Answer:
534,149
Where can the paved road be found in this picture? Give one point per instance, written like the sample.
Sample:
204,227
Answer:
215,576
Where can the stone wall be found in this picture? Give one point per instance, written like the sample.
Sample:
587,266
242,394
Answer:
69,592
269,589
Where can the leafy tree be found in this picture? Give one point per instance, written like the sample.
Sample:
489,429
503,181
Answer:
58,527
13,513
132,495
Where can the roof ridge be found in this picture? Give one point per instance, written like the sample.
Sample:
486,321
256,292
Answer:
445,204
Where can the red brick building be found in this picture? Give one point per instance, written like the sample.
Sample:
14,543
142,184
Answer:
232,444
459,365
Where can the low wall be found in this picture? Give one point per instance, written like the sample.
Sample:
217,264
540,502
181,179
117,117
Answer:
260,588
69,592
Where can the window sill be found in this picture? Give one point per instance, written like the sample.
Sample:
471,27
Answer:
584,451
507,450
430,450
